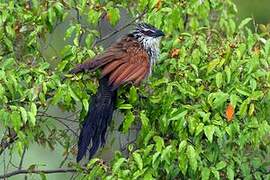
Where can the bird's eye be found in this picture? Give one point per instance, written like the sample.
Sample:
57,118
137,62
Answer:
148,32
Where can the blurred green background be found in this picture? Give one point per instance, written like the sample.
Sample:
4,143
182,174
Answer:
259,9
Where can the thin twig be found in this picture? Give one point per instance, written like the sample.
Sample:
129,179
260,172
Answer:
5,168
78,17
38,171
186,19
121,28
67,126
22,158
63,162
7,140
57,117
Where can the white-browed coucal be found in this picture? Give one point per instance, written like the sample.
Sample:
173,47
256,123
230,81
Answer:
129,60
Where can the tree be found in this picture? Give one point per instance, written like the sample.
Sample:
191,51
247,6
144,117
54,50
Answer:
206,114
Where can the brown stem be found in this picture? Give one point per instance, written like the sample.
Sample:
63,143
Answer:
38,171
7,140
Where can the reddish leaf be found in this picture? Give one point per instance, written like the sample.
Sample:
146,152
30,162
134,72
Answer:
174,53
229,112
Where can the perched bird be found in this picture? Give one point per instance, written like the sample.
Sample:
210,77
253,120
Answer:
129,60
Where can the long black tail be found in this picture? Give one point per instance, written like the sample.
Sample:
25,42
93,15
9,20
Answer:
96,122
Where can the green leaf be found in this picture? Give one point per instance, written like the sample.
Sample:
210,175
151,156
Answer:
244,22
51,16
89,40
85,104
205,173
2,91
33,108
152,3
216,173
69,31
192,157
165,155
23,114
113,15
199,129
5,116
133,96
118,164
256,95
240,91
73,94
230,172
219,79
138,159
9,44
251,109
59,9
10,31
19,147
220,165
31,118
43,176
144,120
209,131
243,108
211,66
93,16
16,120
154,159
253,84
182,146
143,4
179,116
217,99
228,74
125,106
8,63
234,99
92,162
129,119
183,162
159,143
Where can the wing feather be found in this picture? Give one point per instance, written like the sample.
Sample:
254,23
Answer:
131,69
125,61
116,73
111,66
139,79
135,74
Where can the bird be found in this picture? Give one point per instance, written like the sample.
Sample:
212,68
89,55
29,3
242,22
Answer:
127,61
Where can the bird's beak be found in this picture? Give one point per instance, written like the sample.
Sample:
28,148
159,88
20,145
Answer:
159,33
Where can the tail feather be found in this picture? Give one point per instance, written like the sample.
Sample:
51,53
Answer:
96,122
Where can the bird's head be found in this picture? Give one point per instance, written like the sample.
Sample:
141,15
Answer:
147,30
148,35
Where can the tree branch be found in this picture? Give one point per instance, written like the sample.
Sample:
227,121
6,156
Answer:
7,140
38,171
121,28
22,158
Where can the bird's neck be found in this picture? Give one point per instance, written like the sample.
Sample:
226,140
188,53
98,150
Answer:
151,45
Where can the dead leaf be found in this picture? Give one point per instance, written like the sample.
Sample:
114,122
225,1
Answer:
175,53
229,112
158,5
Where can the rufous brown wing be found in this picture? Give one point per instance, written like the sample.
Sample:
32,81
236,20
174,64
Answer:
124,62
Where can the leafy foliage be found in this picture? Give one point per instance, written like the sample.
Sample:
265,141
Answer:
207,62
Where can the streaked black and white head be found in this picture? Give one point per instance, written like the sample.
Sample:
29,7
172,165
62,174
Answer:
149,36
147,30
